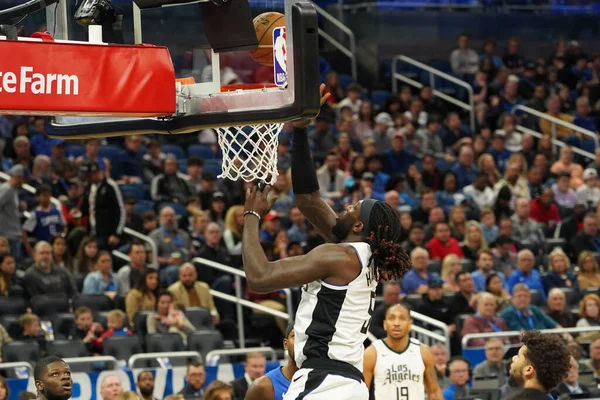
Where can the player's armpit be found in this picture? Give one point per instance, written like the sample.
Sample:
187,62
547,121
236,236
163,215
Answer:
317,212
369,361
261,389
434,392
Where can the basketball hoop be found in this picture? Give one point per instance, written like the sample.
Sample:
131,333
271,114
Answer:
249,151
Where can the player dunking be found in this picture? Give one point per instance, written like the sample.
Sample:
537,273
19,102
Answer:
338,280
400,367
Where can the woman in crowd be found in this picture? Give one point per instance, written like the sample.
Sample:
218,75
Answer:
588,276
143,297
486,163
102,280
4,392
448,196
357,167
405,224
363,127
458,223
474,241
558,275
234,223
589,311
60,253
199,224
86,254
332,86
217,209
345,151
493,285
168,319
450,267
9,283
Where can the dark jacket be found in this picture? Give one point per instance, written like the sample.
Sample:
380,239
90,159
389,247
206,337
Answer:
109,208
553,280
563,389
564,319
377,319
161,190
240,387
439,309
582,242
56,282
460,305
189,392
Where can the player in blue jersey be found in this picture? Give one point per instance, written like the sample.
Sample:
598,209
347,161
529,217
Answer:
274,384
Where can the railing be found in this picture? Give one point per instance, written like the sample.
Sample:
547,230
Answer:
396,76
470,336
236,352
158,355
17,364
239,301
554,122
404,4
555,142
349,51
89,360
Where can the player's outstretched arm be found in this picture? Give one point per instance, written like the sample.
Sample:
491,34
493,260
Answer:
305,183
261,389
434,392
369,361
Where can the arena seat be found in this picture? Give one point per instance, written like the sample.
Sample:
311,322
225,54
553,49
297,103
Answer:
122,347
109,151
200,317
21,350
65,348
414,300
379,97
135,190
12,305
139,320
94,302
164,342
173,149
213,166
201,150
345,80
62,324
11,324
102,318
204,341
536,297
75,150
434,266
144,206
571,295
44,305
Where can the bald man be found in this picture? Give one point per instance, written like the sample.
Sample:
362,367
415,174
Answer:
188,292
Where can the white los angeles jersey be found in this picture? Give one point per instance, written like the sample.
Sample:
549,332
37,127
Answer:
399,376
332,321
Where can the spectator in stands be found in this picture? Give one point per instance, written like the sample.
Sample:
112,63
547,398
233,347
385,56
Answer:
198,229
397,159
485,263
4,391
45,278
270,227
442,244
495,160
492,366
526,274
40,142
322,138
331,178
129,275
474,242
174,245
582,117
557,302
429,139
459,375
484,321
510,99
431,175
524,227
152,161
23,154
594,361
436,215
416,237
189,292
86,254
92,149
433,305
505,255
298,231
415,281
103,204
214,251
559,275
234,222
31,330
494,284
60,253
458,222
10,284
515,182
463,301
391,296
589,311
382,132
570,384
565,163
145,385
85,329
480,191
588,276
110,387
170,186
440,359
41,173
102,280
589,238
45,221
4,338
464,60
450,267
544,210
128,168
216,210
426,204
589,193
132,219
488,225
10,210
168,318
195,376
465,170
513,60
115,322
143,296
522,315
254,368
596,163
352,99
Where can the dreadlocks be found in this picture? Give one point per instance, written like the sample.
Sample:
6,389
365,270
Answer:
390,260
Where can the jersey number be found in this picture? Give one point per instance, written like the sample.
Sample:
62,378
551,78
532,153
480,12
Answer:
402,393
367,323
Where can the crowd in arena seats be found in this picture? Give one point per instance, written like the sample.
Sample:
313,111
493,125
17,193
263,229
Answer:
502,228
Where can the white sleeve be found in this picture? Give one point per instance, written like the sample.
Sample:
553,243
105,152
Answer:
30,224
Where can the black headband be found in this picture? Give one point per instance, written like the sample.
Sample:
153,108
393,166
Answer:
365,213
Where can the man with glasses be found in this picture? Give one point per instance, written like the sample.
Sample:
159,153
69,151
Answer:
492,366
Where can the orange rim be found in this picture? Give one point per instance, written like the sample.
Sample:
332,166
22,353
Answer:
246,86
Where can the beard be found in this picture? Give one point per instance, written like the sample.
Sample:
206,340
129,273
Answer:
146,392
341,230
171,226
44,264
516,381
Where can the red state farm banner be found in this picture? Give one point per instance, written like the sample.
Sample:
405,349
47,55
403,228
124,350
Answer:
62,78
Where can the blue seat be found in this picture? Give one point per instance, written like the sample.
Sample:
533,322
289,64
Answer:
201,150
182,164
174,149
345,80
213,166
135,190
379,97
109,151
143,206
178,208
589,146
75,150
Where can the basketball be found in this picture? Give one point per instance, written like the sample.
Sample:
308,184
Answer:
264,25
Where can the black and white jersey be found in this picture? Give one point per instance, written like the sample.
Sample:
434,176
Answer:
332,321
399,375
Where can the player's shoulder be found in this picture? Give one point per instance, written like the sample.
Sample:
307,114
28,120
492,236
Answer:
261,388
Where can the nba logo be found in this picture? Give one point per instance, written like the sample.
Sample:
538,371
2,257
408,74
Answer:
279,56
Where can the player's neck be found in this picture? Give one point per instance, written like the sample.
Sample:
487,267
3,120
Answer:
534,384
289,370
397,344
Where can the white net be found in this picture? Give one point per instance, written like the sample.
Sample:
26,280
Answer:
250,152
